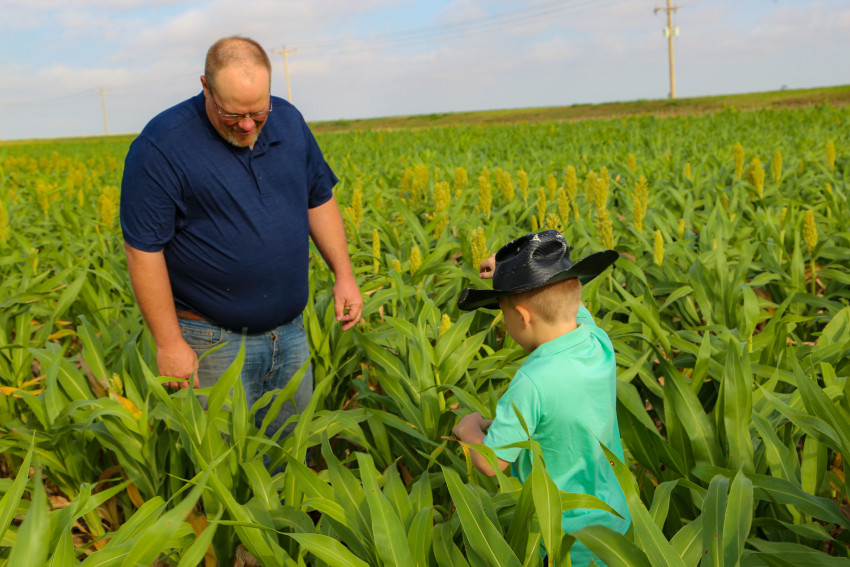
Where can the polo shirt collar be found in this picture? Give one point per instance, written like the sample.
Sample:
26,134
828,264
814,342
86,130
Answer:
562,343
272,132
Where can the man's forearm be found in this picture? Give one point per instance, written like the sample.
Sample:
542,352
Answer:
149,276
328,232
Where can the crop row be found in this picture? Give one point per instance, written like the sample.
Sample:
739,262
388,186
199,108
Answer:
728,310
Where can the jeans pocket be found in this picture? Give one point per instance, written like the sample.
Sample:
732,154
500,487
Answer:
201,335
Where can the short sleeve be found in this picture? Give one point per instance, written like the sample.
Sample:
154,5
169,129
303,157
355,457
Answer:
149,197
320,175
506,428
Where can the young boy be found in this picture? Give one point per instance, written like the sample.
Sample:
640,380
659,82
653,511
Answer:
565,389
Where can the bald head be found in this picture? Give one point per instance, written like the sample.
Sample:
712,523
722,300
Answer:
241,53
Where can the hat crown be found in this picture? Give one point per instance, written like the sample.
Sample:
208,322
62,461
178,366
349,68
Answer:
531,261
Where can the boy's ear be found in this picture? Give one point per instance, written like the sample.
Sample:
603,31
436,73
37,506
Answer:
524,313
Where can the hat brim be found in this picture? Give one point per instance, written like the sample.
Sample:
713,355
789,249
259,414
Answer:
585,270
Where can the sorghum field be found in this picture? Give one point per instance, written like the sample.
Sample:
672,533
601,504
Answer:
729,310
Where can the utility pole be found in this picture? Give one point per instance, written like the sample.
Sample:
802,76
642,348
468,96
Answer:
669,32
286,52
103,103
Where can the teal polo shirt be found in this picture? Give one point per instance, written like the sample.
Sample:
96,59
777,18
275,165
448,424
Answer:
566,391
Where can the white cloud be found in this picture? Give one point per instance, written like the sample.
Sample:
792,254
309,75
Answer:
104,5
150,54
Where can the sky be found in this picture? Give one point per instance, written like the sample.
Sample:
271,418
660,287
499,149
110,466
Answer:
61,60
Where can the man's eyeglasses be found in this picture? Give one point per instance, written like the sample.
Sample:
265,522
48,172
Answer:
234,118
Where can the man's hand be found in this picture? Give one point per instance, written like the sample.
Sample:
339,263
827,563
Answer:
470,429
328,233
348,303
178,360
487,267
149,276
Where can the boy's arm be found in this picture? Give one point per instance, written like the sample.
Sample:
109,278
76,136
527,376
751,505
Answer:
470,430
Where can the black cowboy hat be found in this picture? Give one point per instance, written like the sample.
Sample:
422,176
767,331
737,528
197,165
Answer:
532,261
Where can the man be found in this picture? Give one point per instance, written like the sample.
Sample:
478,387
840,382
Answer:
220,196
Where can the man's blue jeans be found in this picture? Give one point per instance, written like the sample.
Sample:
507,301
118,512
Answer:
271,359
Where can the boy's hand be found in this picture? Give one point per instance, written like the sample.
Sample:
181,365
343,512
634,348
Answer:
487,267
470,429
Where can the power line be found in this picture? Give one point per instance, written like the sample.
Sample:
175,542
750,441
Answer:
44,101
126,87
428,34
428,30
86,92
515,18
551,10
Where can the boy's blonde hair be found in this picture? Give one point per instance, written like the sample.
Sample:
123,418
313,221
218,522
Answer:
555,302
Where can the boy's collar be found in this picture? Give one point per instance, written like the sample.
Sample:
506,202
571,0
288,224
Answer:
561,342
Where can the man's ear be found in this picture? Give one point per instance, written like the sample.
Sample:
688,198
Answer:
524,313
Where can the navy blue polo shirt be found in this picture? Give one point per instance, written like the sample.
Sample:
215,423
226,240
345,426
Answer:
231,222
